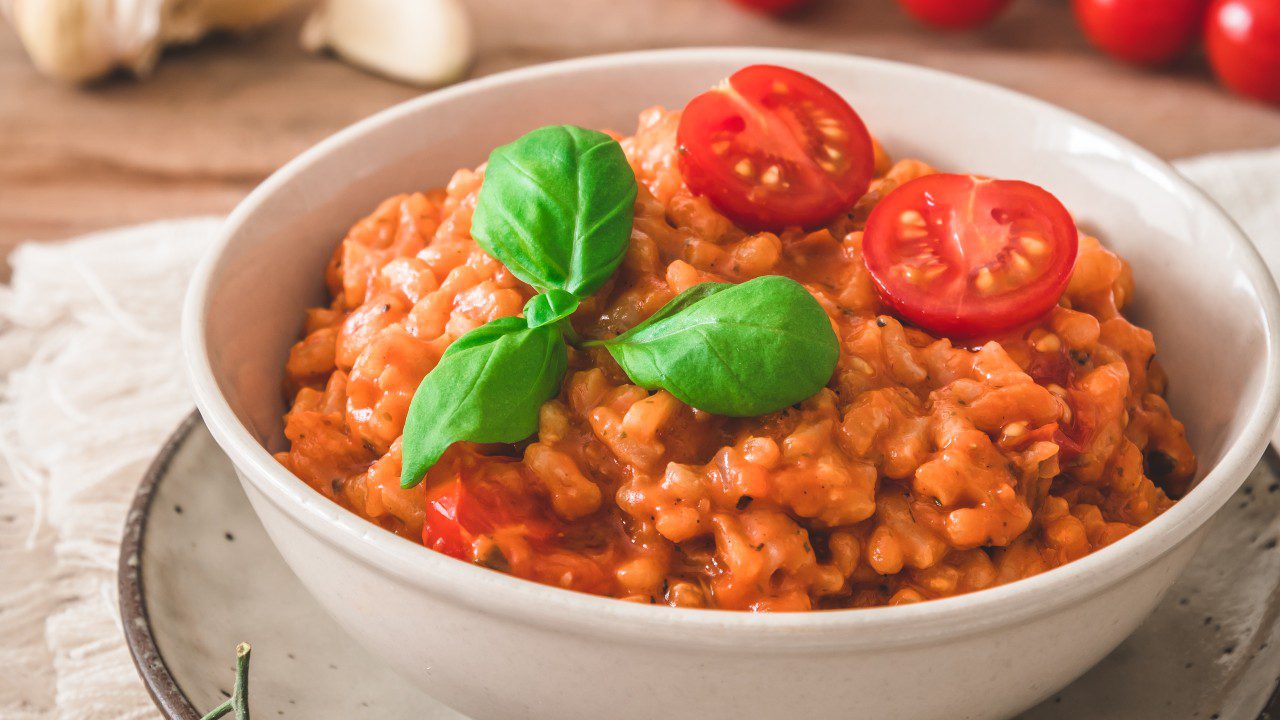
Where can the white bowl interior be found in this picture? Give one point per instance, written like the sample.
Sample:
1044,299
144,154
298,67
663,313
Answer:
1197,291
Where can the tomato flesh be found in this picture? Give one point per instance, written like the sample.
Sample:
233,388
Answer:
772,148
965,256
1145,32
461,509
1242,38
954,14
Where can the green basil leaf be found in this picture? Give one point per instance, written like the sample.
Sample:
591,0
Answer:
556,208
738,350
549,307
488,387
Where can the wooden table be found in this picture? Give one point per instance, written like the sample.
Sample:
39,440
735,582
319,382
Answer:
218,117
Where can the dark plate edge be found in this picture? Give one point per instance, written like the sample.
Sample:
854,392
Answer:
164,690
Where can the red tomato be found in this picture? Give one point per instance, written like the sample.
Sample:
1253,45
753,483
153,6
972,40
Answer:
772,7
1243,40
772,147
966,256
1146,32
954,14
463,508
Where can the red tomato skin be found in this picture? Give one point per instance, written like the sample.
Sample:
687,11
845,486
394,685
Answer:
954,14
1143,32
1242,38
771,7
815,198
968,318
459,510
441,530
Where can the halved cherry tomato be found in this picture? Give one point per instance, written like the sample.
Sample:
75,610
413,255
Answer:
1146,32
966,256
772,147
772,7
954,14
468,506
1242,38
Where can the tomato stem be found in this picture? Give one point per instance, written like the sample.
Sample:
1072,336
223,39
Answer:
239,700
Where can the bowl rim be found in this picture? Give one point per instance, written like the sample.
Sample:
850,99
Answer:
555,608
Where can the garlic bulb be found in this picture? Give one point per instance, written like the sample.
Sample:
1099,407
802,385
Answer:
422,42
79,40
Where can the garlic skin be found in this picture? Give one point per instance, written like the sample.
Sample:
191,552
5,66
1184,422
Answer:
81,40
421,42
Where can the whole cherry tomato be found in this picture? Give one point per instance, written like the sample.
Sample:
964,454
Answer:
771,7
966,256
772,147
1243,41
1146,32
954,14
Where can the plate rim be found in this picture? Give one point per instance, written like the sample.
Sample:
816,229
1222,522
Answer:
164,690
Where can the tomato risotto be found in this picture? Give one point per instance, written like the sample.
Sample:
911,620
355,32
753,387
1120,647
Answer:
981,424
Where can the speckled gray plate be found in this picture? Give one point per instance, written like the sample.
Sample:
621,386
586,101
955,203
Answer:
198,575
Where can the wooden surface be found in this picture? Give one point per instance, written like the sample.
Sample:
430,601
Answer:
218,117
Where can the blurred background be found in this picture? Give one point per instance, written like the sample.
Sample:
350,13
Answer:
213,118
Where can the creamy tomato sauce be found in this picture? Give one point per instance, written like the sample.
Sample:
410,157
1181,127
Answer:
925,469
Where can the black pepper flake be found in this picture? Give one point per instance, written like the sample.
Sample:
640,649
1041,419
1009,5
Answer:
880,322
229,536
744,501
760,547
1270,544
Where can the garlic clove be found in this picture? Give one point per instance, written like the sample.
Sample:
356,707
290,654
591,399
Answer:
421,42
75,40
81,40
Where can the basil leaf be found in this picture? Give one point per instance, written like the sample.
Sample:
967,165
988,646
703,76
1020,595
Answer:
488,387
738,350
556,208
549,307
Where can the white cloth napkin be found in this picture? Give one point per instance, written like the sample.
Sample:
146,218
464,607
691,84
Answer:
91,383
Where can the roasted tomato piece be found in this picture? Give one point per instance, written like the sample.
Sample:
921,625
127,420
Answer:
967,256
461,509
772,147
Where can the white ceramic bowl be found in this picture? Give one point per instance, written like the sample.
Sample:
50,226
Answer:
494,646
